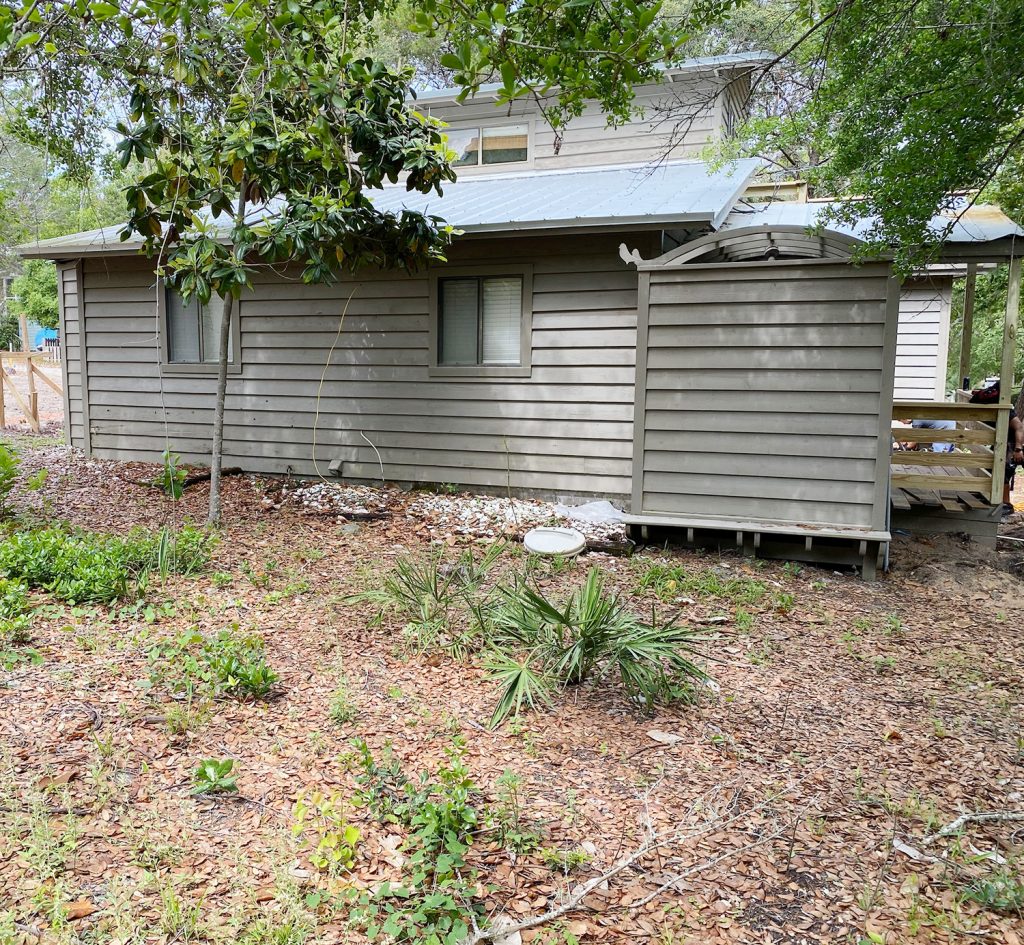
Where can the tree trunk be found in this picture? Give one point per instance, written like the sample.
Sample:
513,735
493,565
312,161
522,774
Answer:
217,449
217,452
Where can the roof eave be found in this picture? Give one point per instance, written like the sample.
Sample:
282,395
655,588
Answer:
648,221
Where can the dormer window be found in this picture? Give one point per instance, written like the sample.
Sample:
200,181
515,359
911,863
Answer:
498,144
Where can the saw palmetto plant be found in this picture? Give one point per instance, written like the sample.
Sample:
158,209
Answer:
539,647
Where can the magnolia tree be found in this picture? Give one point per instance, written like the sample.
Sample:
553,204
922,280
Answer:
257,130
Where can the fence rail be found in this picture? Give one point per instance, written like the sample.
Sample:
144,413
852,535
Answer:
977,461
29,403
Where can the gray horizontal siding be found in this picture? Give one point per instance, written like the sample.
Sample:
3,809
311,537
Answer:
922,343
763,387
69,308
566,428
679,118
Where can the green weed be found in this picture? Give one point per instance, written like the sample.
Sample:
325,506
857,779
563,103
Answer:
343,709
214,776
564,861
230,663
669,582
1001,891
330,840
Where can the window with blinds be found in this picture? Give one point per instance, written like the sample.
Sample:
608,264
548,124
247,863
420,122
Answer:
481,321
193,330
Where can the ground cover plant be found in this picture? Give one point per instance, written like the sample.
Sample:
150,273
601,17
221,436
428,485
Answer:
229,662
784,800
78,565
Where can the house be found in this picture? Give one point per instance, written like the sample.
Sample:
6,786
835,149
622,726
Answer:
612,322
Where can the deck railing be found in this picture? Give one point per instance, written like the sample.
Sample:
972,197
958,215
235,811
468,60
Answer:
976,463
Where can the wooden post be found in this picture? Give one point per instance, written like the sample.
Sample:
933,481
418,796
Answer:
1006,381
30,375
968,323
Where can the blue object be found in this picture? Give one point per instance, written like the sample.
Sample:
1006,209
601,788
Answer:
44,334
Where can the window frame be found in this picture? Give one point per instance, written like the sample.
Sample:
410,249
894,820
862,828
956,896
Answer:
454,371
489,125
168,366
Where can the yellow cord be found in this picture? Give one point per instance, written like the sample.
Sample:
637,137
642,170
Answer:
323,377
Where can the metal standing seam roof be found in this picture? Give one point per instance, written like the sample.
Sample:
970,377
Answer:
607,196
604,197
980,223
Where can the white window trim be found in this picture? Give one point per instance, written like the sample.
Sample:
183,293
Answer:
167,366
455,371
461,169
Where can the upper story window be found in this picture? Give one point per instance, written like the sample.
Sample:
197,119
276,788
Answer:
500,144
193,329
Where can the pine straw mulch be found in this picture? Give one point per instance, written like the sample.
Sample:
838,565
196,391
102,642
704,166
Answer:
840,734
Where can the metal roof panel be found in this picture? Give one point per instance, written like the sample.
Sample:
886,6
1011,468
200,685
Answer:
980,223
658,195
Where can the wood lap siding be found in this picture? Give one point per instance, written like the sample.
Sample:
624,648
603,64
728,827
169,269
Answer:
588,142
922,343
75,431
763,390
566,428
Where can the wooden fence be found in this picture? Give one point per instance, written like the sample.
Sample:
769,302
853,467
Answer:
977,462
29,402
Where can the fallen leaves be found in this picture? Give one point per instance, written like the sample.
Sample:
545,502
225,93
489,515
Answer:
803,716
79,909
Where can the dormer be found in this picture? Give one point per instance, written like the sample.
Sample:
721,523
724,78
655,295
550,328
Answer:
695,104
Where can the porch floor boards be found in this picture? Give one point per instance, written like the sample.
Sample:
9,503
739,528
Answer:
952,500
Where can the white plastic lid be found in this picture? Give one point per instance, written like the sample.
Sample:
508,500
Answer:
554,540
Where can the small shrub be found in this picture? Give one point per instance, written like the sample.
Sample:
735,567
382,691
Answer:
425,590
222,578
15,619
436,896
16,631
331,842
172,477
540,646
214,776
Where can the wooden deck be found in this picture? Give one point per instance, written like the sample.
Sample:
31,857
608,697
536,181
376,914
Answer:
952,499
953,493
941,511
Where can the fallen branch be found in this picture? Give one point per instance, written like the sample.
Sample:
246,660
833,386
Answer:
701,867
500,931
984,817
193,478
624,548
189,480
